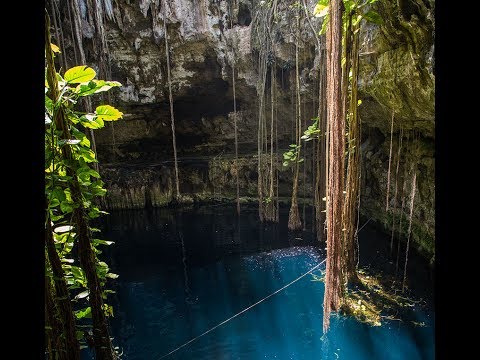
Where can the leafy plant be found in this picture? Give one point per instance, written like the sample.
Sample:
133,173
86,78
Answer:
72,187
359,9
312,132
290,156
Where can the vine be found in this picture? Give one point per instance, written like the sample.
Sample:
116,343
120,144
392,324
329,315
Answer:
74,273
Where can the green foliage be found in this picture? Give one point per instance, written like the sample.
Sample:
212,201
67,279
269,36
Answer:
79,74
291,156
321,9
358,9
312,132
77,82
373,17
95,86
108,113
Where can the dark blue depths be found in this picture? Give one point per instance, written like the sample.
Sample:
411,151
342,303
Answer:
184,272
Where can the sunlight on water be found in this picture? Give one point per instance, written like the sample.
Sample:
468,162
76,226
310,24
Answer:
161,304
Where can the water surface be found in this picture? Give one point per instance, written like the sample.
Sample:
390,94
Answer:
184,272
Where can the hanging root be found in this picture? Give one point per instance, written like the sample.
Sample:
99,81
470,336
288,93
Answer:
294,222
396,189
404,190
389,163
235,113
412,197
261,40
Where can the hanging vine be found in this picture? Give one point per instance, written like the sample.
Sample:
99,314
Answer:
237,170
399,151
410,219
294,222
72,187
262,40
170,99
387,201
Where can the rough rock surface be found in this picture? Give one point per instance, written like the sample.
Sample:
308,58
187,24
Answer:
397,74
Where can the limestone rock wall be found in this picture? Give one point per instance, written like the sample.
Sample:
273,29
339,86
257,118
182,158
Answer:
206,37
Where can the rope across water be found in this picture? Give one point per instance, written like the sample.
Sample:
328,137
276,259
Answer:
244,310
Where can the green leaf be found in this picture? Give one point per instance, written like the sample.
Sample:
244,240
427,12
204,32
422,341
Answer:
95,86
102,269
91,121
112,275
320,10
108,113
79,74
102,242
48,104
77,273
349,5
54,203
99,191
82,295
285,163
85,172
373,17
325,22
63,229
66,207
86,313
88,155
68,142
55,48
82,137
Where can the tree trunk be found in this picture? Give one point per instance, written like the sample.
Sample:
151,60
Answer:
320,176
353,172
336,123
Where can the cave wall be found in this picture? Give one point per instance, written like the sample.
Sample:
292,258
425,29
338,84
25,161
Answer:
397,75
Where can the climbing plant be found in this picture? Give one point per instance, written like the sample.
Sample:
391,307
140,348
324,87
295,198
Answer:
75,278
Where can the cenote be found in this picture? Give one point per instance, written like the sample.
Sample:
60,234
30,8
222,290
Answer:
239,179
169,293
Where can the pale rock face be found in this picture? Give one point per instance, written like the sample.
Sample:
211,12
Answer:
396,61
145,6
128,93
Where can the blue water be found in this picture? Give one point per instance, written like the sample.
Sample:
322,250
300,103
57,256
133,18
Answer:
183,272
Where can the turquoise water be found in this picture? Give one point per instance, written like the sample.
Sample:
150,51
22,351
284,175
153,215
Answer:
182,273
